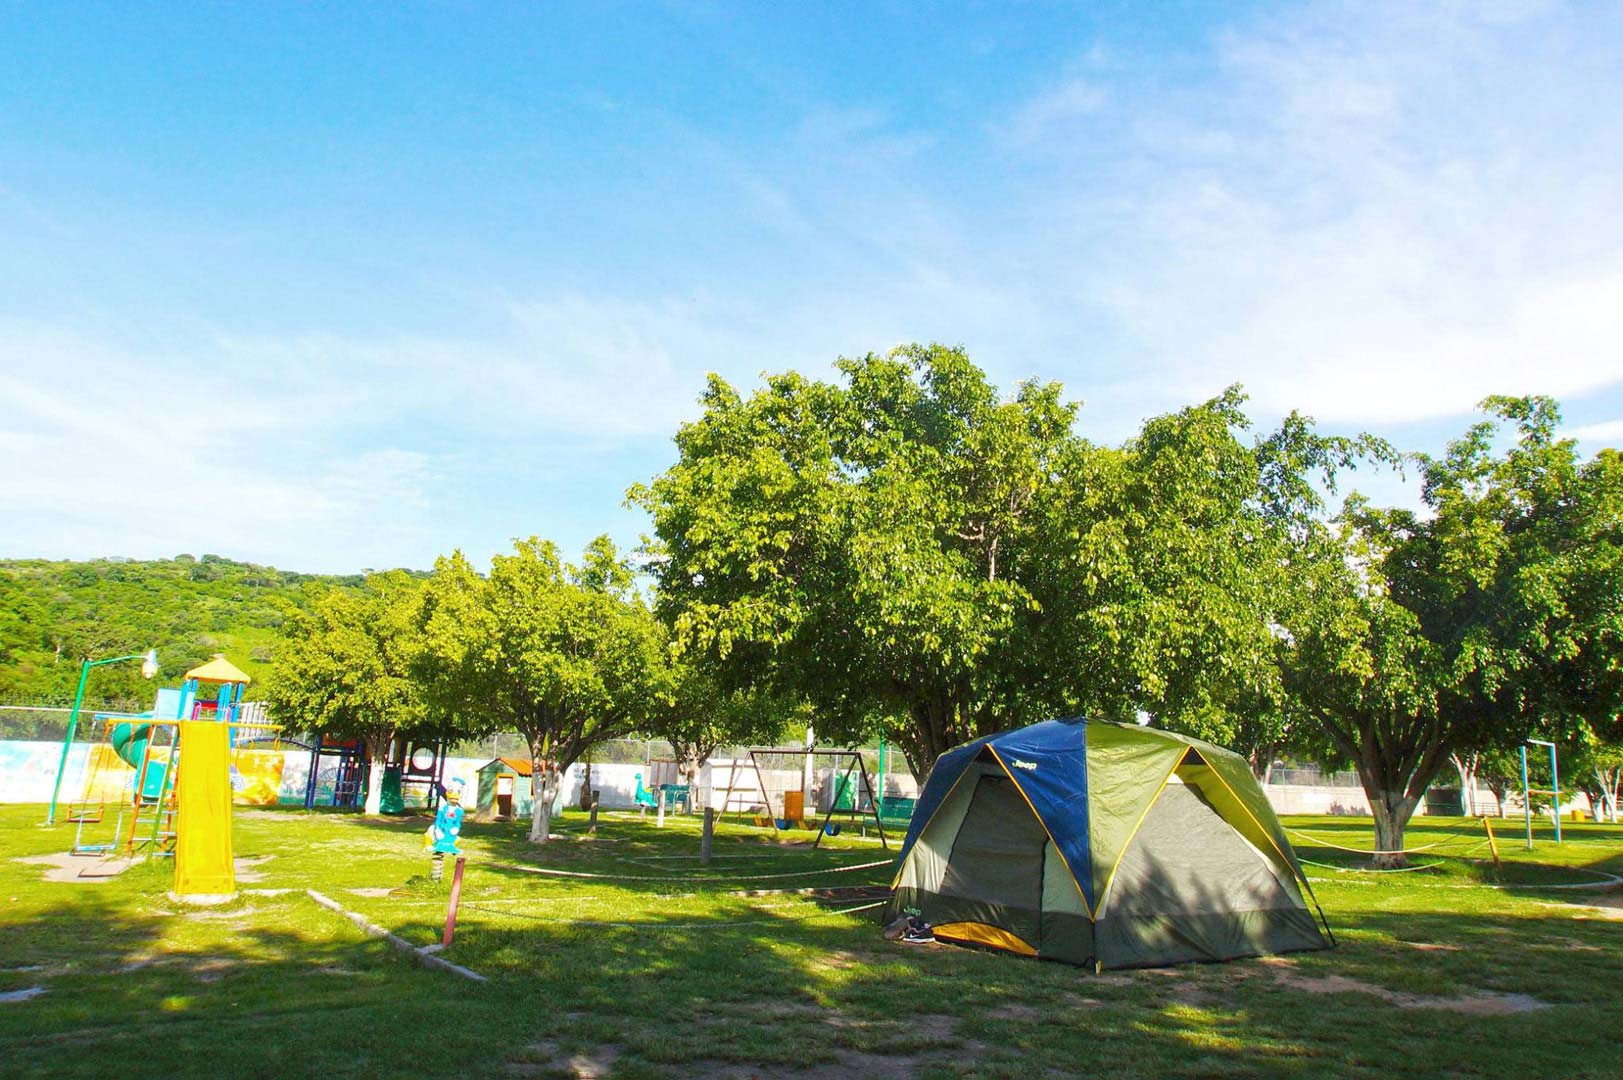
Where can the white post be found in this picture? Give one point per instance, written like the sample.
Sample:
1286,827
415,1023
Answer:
806,772
659,821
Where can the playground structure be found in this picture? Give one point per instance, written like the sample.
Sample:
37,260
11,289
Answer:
172,772
797,785
411,768
665,793
349,772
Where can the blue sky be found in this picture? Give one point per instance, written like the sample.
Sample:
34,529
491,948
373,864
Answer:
334,287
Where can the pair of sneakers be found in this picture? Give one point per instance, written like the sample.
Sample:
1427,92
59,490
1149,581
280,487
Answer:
910,929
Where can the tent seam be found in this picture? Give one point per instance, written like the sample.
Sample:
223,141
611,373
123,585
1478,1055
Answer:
901,862
1290,862
1104,894
1086,907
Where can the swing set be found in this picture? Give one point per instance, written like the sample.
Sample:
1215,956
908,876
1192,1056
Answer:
796,785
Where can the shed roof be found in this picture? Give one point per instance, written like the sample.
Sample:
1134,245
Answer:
518,765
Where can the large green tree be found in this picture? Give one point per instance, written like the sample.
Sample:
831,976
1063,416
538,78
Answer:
346,668
568,656
907,544
1466,627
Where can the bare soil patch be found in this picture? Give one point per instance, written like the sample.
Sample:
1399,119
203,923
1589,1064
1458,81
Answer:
245,872
1486,1003
545,1058
80,869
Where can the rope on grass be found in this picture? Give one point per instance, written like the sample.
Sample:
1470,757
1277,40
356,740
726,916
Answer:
1365,869
669,880
1611,881
712,924
1377,851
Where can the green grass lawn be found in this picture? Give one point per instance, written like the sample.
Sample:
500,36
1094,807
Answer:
678,975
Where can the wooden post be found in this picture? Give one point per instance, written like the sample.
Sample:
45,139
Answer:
456,898
704,837
591,822
1493,845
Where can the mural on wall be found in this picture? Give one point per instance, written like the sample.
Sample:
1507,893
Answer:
256,777
28,770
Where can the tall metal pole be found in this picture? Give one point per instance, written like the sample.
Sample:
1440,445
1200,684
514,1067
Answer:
1527,800
149,668
1555,782
67,741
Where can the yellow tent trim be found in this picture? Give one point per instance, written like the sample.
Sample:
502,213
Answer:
979,933
1104,893
901,867
219,670
1057,850
1264,830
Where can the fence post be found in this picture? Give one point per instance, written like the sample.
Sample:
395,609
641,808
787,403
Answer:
456,898
704,837
591,822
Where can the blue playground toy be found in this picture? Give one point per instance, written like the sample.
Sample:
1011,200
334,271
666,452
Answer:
644,796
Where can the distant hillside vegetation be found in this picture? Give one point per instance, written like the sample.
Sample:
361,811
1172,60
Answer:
53,614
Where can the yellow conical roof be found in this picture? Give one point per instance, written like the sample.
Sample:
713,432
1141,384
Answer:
218,670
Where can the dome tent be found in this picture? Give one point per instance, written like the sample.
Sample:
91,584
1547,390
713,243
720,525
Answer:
1105,844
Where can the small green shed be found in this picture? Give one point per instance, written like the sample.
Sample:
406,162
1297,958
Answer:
504,789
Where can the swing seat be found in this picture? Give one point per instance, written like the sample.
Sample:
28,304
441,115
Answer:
86,813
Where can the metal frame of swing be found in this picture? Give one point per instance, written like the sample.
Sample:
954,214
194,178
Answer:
854,764
1554,790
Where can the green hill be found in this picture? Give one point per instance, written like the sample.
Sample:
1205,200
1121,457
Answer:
53,614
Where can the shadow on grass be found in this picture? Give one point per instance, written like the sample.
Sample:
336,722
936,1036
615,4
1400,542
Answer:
261,987
674,999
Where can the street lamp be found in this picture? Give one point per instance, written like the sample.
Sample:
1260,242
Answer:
149,668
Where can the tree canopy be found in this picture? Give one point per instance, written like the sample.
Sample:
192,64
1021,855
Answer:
346,668
905,547
568,656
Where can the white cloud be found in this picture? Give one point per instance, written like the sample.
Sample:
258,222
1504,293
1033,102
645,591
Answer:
1376,216
112,450
1609,432
1045,116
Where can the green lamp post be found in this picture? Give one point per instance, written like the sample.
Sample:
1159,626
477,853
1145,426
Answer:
149,668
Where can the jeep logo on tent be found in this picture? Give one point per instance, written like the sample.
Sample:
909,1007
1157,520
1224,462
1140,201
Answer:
1024,764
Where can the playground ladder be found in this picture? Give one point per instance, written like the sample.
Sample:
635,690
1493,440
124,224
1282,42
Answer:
161,834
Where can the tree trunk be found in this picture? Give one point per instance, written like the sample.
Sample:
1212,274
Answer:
544,789
1501,795
374,789
1606,783
931,733
377,752
1466,766
1392,811
586,788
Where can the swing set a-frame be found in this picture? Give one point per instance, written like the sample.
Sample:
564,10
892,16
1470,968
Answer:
852,796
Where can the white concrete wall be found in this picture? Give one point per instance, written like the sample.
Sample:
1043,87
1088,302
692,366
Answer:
28,770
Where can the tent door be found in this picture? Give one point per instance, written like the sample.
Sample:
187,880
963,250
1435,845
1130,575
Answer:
997,860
